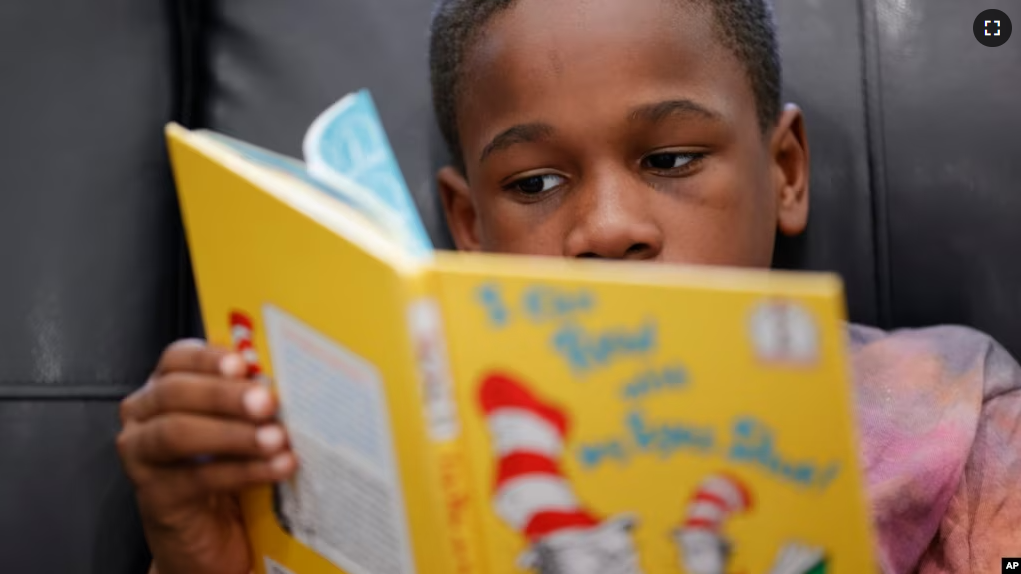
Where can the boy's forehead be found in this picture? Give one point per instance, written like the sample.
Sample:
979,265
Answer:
539,52
592,30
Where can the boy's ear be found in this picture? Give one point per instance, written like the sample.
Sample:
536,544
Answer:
789,150
462,219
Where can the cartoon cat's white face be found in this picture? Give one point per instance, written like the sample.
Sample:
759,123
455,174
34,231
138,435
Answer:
702,552
604,549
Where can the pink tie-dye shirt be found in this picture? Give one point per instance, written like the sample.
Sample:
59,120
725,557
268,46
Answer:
939,412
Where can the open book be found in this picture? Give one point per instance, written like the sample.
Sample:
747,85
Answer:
492,414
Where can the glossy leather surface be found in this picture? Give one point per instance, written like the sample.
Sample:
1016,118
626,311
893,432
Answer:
951,146
91,269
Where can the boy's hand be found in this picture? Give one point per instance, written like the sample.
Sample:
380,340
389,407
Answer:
195,435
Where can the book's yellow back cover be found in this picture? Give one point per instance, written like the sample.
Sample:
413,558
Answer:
328,323
623,419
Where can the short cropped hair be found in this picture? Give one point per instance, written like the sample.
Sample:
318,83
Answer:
745,27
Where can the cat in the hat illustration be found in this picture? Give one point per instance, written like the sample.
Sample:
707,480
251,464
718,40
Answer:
703,546
242,334
532,495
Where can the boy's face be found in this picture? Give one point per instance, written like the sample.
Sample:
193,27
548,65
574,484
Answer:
619,129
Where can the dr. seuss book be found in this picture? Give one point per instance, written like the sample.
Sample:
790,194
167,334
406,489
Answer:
488,414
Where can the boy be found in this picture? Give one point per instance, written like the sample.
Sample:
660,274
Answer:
625,129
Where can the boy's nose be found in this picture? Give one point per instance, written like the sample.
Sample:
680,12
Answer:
614,221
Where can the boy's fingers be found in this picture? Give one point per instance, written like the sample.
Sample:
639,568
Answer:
193,355
233,476
200,394
169,486
183,437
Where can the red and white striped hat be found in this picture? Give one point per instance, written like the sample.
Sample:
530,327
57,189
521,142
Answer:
531,493
717,497
242,334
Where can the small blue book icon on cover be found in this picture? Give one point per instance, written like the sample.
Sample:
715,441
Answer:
347,143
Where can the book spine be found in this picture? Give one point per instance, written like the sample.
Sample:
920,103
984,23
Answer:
449,455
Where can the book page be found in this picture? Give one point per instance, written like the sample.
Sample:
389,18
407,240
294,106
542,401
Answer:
272,567
346,148
345,502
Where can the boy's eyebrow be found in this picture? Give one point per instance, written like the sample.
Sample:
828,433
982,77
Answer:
655,112
521,133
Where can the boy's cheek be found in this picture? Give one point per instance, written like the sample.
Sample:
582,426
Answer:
507,227
733,238
521,242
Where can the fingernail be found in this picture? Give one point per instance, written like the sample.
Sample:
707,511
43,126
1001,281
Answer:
232,365
256,402
269,438
281,463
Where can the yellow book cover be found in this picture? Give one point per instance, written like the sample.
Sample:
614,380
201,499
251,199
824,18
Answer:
492,414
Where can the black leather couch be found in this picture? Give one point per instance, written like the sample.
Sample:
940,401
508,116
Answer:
916,152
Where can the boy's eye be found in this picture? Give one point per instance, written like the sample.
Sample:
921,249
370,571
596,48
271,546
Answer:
669,160
536,184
